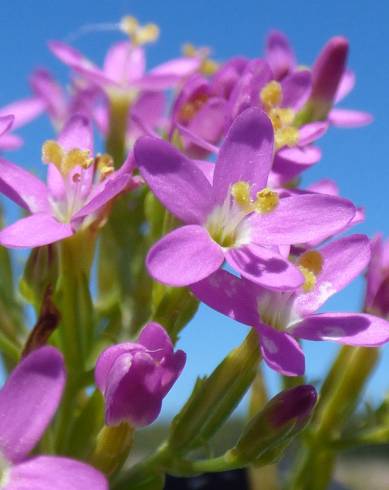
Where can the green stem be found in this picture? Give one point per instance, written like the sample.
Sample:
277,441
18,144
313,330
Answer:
112,447
314,468
119,106
9,348
261,477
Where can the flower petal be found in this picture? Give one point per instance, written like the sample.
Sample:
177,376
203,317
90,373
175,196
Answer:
77,61
356,329
299,219
311,132
156,340
184,256
124,63
109,190
49,472
291,162
24,110
343,260
168,74
281,351
133,390
77,133
246,154
279,54
296,89
6,123
28,401
22,187
174,179
264,267
230,295
347,118
10,141
34,231
345,86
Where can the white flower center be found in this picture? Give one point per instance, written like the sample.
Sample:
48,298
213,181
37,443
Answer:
227,224
277,309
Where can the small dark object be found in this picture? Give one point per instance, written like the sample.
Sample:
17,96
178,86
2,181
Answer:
228,480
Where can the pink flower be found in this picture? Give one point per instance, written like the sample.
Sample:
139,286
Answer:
135,377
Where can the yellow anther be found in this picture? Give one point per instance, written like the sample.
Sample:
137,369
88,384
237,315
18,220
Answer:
310,265
288,136
312,260
266,201
240,191
209,67
53,153
309,279
129,25
147,34
137,33
105,165
191,108
65,161
189,50
74,158
271,95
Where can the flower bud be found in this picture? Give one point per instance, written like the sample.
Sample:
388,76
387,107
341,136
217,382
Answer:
273,427
135,377
41,271
326,76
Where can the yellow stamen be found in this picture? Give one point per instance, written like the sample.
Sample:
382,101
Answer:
52,152
139,34
287,136
271,95
105,165
312,260
309,279
240,191
310,265
209,67
266,201
147,34
189,50
191,108
129,25
65,161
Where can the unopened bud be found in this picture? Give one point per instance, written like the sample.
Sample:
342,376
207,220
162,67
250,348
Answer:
282,418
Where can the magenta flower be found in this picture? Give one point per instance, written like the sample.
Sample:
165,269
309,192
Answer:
72,197
125,68
135,377
281,317
234,217
199,113
28,402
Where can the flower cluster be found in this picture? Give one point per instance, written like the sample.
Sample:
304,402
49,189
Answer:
197,196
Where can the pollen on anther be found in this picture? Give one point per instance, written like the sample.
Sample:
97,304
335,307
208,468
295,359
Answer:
266,201
312,260
52,152
271,95
240,191
310,265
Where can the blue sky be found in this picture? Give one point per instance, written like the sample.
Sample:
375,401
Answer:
357,159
